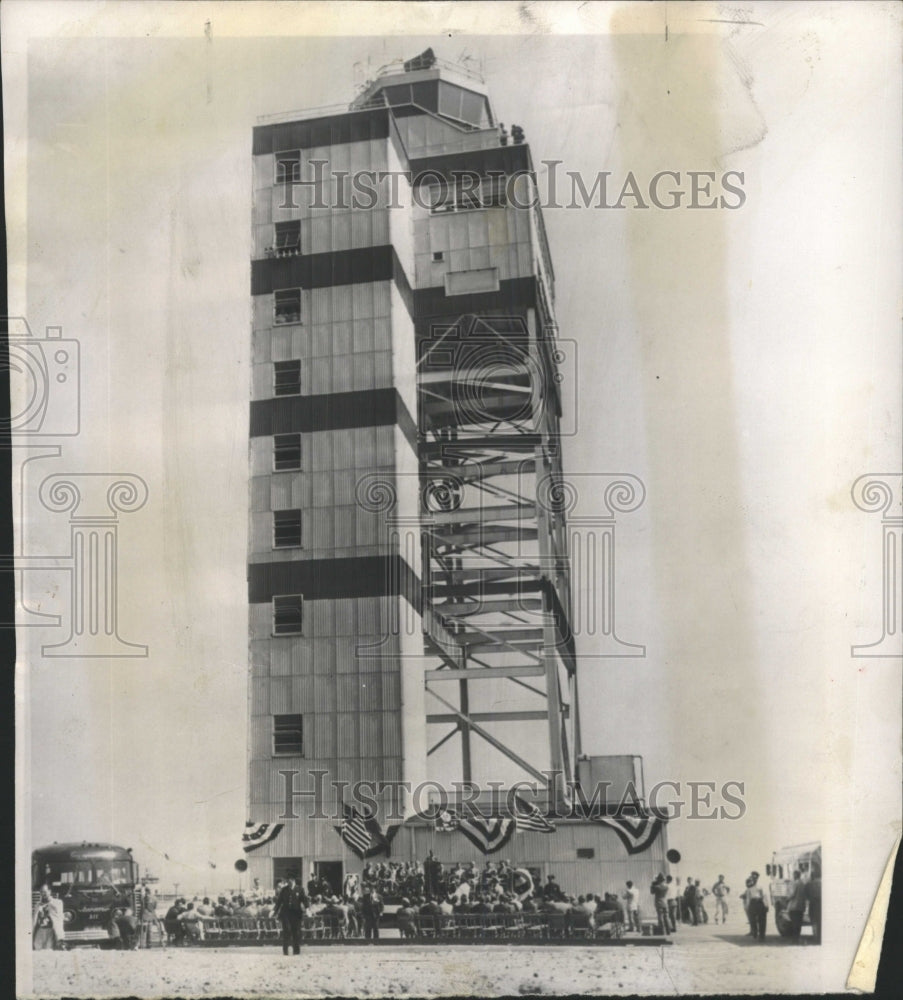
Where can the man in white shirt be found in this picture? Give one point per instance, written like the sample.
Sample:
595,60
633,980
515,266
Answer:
632,906
720,890
671,901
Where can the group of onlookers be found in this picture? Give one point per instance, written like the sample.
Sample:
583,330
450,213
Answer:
674,904
185,921
789,911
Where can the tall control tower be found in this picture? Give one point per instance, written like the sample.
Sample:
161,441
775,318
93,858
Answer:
408,575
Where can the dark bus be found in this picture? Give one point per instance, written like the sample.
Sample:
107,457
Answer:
91,880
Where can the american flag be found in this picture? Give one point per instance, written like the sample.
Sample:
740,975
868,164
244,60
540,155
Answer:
528,818
354,831
363,834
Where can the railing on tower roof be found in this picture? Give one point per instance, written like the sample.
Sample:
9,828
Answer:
377,101
305,114
398,66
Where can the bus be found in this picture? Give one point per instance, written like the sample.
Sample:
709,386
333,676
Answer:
806,859
91,881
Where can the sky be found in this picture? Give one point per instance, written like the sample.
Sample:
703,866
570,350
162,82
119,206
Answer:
744,364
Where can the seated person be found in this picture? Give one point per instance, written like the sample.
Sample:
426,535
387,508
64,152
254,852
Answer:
128,929
406,918
171,923
192,924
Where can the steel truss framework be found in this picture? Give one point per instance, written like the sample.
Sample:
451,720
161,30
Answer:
495,559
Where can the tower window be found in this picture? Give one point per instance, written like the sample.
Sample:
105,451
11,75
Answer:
287,614
438,255
467,194
286,528
288,735
287,240
286,452
287,306
287,378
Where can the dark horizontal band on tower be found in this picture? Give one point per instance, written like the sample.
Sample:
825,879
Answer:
325,270
381,263
514,297
335,579
332,411
331,130
505,160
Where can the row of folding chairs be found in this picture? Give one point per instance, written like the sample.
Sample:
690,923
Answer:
225,930
502,926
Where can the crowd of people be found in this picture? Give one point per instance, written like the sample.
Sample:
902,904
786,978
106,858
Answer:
803,896
394,881
432,890
185,919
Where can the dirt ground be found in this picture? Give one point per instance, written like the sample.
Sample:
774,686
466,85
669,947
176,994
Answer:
708,959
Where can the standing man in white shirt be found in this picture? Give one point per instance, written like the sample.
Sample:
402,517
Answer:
720,891
632,905
672,902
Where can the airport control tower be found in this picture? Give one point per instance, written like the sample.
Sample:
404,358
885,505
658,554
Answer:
408,577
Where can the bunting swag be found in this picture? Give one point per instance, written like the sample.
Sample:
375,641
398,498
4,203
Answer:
636,833
258,834
364,835
489,835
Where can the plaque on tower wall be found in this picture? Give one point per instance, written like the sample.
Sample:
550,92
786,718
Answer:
456,496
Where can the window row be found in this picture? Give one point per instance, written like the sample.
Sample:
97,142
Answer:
360,300
466,194
324,375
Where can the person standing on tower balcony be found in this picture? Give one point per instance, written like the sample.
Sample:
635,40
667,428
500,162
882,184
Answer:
503,134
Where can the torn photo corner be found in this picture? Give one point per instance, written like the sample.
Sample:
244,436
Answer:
457,501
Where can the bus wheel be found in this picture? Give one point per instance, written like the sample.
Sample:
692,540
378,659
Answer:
782,921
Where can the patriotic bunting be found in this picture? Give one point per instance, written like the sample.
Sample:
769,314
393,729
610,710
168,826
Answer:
258,834
364,835
528,818
637,833
489,835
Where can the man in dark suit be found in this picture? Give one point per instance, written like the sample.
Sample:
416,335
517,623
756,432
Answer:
371,910
290,905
